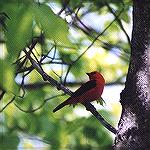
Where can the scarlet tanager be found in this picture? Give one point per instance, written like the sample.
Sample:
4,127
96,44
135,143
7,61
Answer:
89,91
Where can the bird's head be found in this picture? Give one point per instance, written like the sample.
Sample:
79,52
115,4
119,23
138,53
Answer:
96,76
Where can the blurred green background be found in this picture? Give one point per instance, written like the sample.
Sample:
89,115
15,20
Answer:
76,37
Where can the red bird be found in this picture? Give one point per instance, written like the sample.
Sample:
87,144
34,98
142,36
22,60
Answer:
89,91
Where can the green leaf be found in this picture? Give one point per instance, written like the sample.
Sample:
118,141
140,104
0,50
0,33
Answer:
19,32
75,125
125,17
54,27
7,77
8,141
32,100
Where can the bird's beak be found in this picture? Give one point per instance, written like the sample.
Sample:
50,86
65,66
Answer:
88,74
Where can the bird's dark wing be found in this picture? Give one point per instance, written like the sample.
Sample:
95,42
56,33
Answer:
84,88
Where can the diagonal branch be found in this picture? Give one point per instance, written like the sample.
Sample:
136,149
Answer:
59,86
119,22
100,34
95,39
8,104
45,76
90,107
39,107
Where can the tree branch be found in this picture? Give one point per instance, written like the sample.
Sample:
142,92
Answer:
8,104
92,109
39,107
119,22
59,86
38,85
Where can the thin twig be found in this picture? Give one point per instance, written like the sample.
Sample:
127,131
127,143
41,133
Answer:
8,104
96,38
100,34
39,85
46,55
39,107
2,93
119,22
45,76
68,70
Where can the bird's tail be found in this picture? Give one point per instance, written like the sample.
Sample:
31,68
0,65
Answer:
61,106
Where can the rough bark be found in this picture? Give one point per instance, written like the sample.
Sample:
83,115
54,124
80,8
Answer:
134,125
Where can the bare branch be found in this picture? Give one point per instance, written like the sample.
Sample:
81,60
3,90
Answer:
119,22
39,85
45,76
8,104
92,109
2,93
59,86
39,107
100,34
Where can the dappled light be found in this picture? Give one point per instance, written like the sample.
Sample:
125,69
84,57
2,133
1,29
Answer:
46,49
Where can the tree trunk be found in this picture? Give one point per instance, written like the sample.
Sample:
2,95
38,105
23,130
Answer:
134,125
